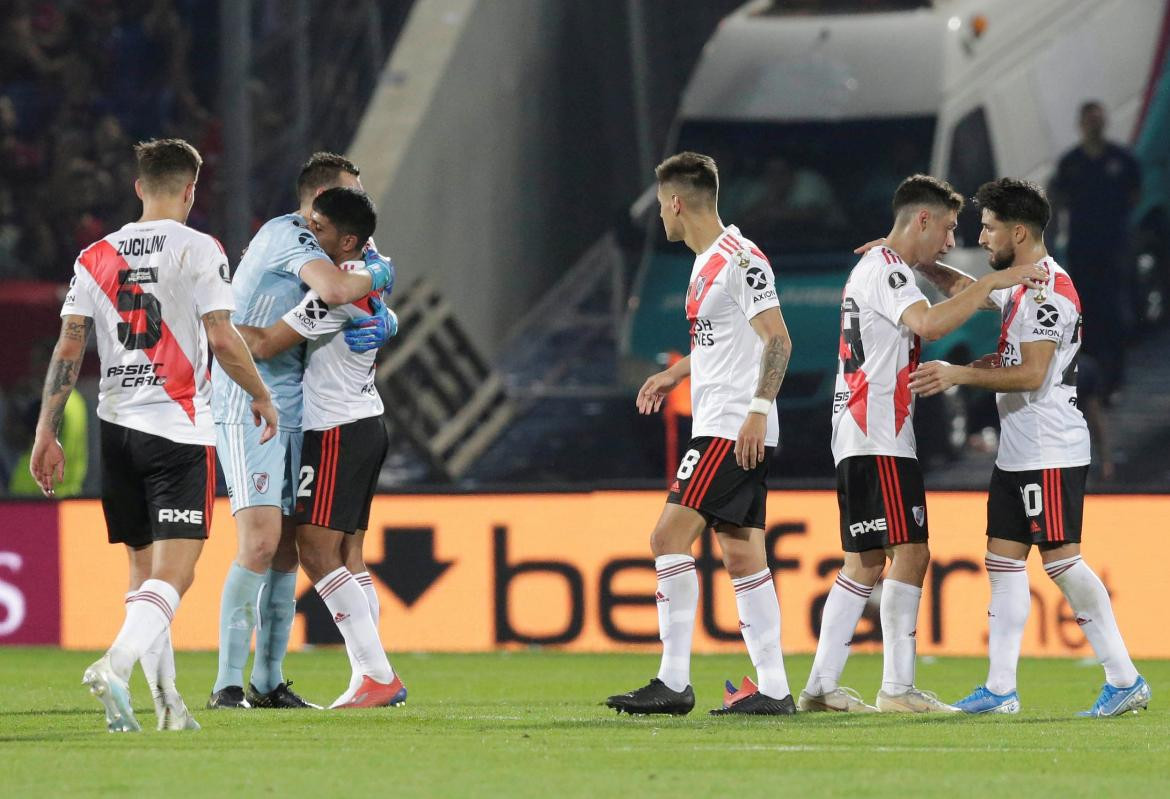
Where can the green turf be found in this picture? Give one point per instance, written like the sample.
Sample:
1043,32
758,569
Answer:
531,724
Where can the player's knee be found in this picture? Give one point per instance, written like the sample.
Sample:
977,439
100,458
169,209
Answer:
665,541
256,553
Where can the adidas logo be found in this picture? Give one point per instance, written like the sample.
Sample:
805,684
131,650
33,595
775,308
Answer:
339,617
743,626
661,597
674,487
1034,528
1083,620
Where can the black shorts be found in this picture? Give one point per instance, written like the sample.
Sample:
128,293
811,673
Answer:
710,481
1039,506
153,488
882,501
339,474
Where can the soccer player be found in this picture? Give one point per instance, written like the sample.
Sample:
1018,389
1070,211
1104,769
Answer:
880,492
1037,491
260,588
345,444
739,353
157,293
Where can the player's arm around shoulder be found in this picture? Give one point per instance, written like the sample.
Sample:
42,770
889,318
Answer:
229,349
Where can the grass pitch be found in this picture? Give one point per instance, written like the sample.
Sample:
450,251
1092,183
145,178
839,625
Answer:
531,724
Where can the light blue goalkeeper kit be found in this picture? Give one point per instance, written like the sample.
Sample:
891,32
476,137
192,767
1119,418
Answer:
266,285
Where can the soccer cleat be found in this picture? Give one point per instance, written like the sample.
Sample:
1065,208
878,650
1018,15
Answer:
1115,701
981,700
280,697
839,700
231,696
913,701
372,693
111,691
176,717
654,697
749,701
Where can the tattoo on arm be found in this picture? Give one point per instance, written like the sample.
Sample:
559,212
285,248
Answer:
214,318
773,365
78,331
58,386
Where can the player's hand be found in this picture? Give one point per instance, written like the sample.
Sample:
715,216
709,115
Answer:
749,444
1033,276
263,409
381,271
366,333
991,361
869,245
654,391
932,378
47,464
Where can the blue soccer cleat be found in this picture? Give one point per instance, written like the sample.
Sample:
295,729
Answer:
1116,701
982,700
111,691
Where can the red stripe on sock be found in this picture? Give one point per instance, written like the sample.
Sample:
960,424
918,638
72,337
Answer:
332,585
755,584
852,588
156,600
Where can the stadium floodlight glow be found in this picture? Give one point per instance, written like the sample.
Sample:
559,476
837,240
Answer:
954,23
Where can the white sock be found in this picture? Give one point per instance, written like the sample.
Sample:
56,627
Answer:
148,614
839,619
355,678
678,599
899,625
759,622
351,614
158,664
1006,616
1089,599
367,584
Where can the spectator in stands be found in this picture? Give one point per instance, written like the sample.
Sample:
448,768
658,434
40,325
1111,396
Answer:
1097,185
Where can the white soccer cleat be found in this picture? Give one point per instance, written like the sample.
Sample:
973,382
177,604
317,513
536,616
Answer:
913,701
839,700
112,692
175,716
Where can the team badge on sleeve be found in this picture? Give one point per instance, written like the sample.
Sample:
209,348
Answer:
742,258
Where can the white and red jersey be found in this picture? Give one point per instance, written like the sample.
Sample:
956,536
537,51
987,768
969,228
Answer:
146,287
731,283
339,383
1042,429
873,409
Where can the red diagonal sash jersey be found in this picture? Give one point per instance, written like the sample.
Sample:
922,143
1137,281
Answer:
146,287
1042,429
731,283
872,404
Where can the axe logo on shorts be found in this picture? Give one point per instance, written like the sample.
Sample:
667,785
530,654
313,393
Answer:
260,482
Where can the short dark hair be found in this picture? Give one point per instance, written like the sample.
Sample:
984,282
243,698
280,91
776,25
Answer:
1091,105
918,190
351,210
167,165
693,171
1016,201
322,171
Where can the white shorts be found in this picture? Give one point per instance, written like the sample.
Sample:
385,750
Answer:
258,474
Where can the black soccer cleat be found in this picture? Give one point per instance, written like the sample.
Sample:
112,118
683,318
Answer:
229,697
655,697
749,701
280,697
